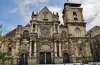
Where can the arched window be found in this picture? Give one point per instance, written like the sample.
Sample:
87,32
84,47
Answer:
23,60
56,28
75,15
9,50
33,25
26,34
32,46
80,50
57,48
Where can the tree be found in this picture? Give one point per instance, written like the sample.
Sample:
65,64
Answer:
4,57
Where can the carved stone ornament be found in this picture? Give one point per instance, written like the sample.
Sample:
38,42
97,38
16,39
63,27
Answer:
63,34
45,31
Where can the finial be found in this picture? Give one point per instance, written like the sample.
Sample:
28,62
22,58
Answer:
57,13
0,30
67,0
32,13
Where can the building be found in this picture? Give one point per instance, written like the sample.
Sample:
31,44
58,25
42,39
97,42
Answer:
94,34
45,41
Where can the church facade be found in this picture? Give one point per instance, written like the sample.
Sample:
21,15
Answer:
45,41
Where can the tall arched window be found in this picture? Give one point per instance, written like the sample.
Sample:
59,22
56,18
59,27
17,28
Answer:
26,34
75,15
57,48
9,50
56,28
33,25
32,46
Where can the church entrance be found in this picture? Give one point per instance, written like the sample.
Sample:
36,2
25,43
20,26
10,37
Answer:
45,57
23,59
66,58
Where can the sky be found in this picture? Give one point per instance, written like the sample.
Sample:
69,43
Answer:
18,12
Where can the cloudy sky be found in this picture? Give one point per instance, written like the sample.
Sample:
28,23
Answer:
15,12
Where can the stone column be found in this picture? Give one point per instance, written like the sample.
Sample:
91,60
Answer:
60,54
31,28
30,48
55,49
35,48
17,46
54,29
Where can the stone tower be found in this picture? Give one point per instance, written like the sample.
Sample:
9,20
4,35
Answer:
78,42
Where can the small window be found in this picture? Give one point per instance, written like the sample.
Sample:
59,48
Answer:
57,48
33,25
26,34
9,50
80,48
32,47
56,27
75,15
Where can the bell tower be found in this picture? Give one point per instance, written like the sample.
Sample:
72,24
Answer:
78,40
73,19
72,12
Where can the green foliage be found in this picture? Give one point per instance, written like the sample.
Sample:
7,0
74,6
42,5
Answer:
4,56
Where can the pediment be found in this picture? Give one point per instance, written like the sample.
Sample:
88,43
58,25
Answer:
45,14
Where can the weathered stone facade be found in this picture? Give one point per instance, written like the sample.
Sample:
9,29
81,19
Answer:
94,35
45,41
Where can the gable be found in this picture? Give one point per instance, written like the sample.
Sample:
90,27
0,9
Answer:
45,14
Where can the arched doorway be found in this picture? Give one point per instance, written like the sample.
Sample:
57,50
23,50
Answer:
23,59
45,55
66,58
45,58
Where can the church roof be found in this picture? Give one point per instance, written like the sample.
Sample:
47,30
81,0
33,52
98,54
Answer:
95,27
12,32
94,31
27,25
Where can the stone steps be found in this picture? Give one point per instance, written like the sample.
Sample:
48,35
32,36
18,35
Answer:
59,64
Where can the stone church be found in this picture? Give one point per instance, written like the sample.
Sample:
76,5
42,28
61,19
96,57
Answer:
45,41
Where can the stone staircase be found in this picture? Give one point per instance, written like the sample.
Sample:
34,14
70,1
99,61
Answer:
61,64
91,63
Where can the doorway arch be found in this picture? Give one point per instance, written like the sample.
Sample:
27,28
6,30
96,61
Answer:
45,54
23,59
65,58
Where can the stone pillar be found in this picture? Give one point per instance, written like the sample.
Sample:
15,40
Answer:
13,51
30,48
35,48
54,28
31,28
55,49
17,46
60,54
